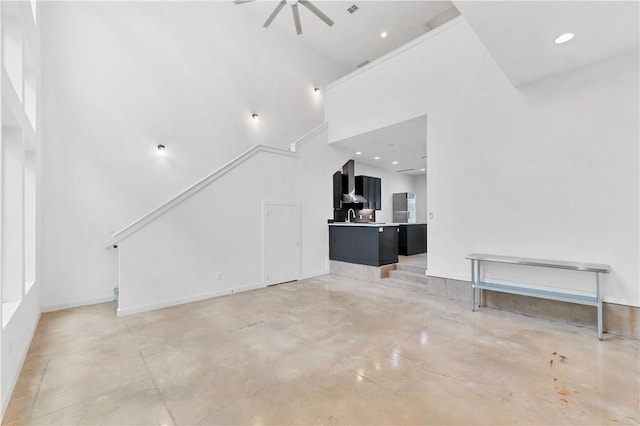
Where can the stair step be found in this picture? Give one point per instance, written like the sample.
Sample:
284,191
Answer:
407,276
453,290
406,285
410,268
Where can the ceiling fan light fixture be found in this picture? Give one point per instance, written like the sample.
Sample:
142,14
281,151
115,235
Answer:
296,13
564,38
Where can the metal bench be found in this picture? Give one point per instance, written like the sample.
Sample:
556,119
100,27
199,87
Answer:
591,299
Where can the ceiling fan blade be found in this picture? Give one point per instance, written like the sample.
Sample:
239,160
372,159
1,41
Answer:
274,13
242,1
296,18
316,12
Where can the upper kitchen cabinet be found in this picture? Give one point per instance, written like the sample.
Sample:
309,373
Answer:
370,188
337,190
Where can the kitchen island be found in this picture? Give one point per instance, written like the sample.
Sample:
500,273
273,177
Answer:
364,243
412,238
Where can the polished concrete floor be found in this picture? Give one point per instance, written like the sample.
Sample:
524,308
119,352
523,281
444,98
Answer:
328,350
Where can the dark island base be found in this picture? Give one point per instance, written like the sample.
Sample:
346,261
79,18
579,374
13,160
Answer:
365,245
412,239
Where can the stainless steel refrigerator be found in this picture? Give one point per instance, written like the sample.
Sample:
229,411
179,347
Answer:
404,207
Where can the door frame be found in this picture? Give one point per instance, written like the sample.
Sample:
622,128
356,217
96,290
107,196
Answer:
265,205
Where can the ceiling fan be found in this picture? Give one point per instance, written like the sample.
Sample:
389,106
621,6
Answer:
296,12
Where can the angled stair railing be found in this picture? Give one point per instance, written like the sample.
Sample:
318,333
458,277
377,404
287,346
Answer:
205,181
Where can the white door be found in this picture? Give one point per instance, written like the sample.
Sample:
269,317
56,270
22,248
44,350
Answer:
281,232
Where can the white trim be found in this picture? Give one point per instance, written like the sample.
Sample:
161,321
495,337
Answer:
190,299
52,308
314,275
191,190
294,145
455,21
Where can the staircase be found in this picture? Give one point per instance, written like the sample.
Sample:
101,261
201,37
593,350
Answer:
406,274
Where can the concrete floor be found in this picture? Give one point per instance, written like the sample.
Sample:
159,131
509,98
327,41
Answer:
328,350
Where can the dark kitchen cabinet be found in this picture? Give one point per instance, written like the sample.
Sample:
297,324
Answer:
337,190
371,189
365,245
378,193
412,238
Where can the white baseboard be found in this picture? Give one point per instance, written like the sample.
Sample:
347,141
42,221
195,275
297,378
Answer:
314,275
70,305
190,299
449,276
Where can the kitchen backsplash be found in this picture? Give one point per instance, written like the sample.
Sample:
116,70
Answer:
362,215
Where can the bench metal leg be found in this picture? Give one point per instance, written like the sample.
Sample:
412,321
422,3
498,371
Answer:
473,286
476,294
599,298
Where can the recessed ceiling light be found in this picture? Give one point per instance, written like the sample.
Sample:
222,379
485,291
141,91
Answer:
394,162
422,170
564,38
359,153
376,158
384,34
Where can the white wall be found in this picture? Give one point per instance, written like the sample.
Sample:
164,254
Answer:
19,191
120,78
421,198
392,182
211,244
550,170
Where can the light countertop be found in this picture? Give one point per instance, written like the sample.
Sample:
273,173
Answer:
371,225
375,224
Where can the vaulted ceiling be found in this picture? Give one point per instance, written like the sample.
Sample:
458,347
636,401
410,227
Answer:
355,36
519,35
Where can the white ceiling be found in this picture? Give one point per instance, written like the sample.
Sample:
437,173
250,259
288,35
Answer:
404,142
355,37
520,34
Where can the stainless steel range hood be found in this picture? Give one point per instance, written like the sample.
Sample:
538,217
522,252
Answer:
348,173
351,197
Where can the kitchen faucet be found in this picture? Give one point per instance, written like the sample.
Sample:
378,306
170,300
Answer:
349,215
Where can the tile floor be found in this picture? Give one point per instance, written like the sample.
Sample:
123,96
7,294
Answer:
328,350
